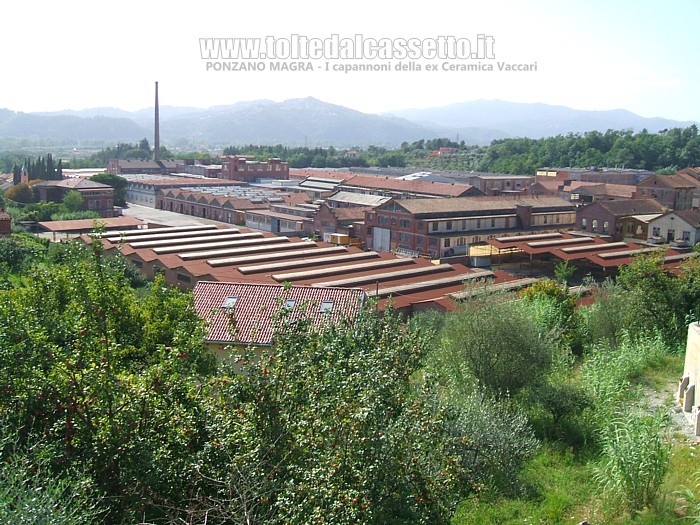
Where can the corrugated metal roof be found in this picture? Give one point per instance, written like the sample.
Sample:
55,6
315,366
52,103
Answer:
347,268
152,233
180,237
559,242
389,276
426,285
257,249
281,256
304,263
234,242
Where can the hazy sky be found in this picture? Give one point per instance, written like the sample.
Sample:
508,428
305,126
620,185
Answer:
595,55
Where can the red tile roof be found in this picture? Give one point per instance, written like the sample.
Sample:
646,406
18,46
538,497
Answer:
626,207
301,174
442,189
252,316
353,213
677,181
88,224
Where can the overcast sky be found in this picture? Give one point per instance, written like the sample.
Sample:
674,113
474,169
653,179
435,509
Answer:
594,55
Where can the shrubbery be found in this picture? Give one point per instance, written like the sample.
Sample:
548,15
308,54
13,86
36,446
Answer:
371,421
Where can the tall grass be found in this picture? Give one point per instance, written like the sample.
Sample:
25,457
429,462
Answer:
607,372
635,459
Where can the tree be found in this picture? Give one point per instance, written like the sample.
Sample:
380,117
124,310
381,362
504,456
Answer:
329,427
657,295
499,345
21,193
73,201
77,384
118,183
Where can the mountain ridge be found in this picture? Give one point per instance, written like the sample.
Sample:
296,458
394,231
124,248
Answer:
313,122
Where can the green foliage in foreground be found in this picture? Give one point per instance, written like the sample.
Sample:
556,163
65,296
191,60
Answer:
635,459
497,413
31,494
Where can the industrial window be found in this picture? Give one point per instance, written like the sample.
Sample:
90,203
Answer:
405,223
184,278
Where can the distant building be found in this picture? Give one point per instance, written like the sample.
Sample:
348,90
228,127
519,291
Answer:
676,227
247,169
5,223
495,184
223,203
347,199
80,226
447,227
124,166
594,174
677,191
202,167
604,217
276,222
406,189
143,188
636,226
338,220
582,193
96,196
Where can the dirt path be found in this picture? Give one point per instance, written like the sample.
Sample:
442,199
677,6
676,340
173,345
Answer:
681,423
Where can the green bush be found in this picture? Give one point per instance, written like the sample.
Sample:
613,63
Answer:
493,441
499,344
31,495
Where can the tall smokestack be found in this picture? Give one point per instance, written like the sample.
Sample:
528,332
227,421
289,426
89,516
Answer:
156,142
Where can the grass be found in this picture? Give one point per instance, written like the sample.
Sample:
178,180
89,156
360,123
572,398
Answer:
561,489
558,482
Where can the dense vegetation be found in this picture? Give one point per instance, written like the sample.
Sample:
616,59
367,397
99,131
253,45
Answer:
113,411
666,151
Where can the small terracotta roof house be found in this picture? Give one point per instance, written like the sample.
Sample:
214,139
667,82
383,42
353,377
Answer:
245,314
